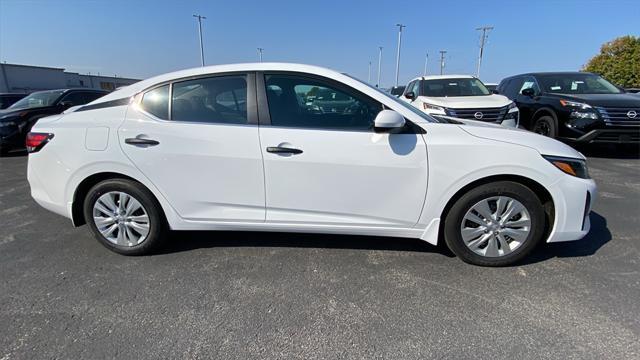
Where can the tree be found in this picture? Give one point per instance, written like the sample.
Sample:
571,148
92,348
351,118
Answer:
618,61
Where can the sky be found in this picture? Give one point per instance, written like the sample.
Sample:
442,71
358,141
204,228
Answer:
139,39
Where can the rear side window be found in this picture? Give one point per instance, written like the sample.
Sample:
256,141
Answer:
219,99
156,102
302,102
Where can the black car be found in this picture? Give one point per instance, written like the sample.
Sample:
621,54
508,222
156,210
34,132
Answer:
576,106
17,119
7,100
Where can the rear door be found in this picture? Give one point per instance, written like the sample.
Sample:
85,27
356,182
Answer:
197,141
325,165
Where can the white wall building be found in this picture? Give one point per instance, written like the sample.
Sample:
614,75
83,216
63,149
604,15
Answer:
16,78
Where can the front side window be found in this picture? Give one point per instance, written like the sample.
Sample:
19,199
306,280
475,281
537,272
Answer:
529,83
74,98
219,99
454,87
298,101
156,102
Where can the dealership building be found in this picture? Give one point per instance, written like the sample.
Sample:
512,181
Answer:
16,78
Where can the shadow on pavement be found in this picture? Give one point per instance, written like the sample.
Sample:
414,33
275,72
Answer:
189,240
589,245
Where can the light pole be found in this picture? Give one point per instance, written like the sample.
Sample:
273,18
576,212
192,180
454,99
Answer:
369,76
426,61
485,34
200,18
442,52
400,27
379,65
260,53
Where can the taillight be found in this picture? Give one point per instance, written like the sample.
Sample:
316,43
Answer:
36,141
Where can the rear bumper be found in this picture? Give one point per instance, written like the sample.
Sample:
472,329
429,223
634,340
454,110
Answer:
610,136
11,139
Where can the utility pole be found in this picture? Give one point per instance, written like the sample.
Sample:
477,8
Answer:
200,18
426,61
400,27
260,53
485,35
442,52
369,77
379,65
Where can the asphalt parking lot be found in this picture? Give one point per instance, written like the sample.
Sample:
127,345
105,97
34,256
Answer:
270,295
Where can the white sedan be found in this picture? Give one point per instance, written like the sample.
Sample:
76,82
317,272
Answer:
297,148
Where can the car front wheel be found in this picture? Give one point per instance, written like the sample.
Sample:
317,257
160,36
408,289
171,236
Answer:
495,224
125,217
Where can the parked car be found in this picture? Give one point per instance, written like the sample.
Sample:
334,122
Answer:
491,87
397,90
577,106
460,96
17,119
7,100
171,153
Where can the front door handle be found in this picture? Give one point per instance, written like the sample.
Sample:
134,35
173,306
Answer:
283,150
140,141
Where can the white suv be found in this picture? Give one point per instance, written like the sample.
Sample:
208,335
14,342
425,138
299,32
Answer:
460,96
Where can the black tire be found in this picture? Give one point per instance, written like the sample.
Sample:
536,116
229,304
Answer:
545,125
453,222
158,227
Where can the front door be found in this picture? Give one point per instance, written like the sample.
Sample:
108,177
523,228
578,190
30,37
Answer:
194,140
324,164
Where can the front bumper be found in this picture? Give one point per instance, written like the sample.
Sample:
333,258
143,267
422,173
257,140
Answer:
573,200
609,136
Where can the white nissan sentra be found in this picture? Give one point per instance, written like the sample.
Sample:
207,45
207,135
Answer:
298,148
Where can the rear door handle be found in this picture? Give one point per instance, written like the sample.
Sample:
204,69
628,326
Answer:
141,141
283,150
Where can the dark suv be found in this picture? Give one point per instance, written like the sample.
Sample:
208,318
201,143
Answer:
17,119
576,106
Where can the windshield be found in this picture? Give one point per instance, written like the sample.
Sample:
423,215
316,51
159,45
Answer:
454,87
38,99
576,84
402,103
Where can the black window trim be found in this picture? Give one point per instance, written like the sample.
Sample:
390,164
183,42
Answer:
252,113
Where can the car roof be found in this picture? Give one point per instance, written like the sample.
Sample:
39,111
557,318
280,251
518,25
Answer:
441,77
71,89
551,73
135,88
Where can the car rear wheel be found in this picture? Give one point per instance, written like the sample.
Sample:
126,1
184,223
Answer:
545,125
125,217
495,224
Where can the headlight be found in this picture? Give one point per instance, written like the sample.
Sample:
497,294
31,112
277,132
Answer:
573,167
513,112
579,105
434,108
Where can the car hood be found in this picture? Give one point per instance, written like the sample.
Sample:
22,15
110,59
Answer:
544,145
612,100
468,102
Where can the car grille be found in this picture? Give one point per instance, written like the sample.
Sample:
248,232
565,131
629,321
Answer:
487,114
619,116
617,137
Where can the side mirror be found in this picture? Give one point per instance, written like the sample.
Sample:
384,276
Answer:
495,91
410,95
528,92
64,105
388,121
